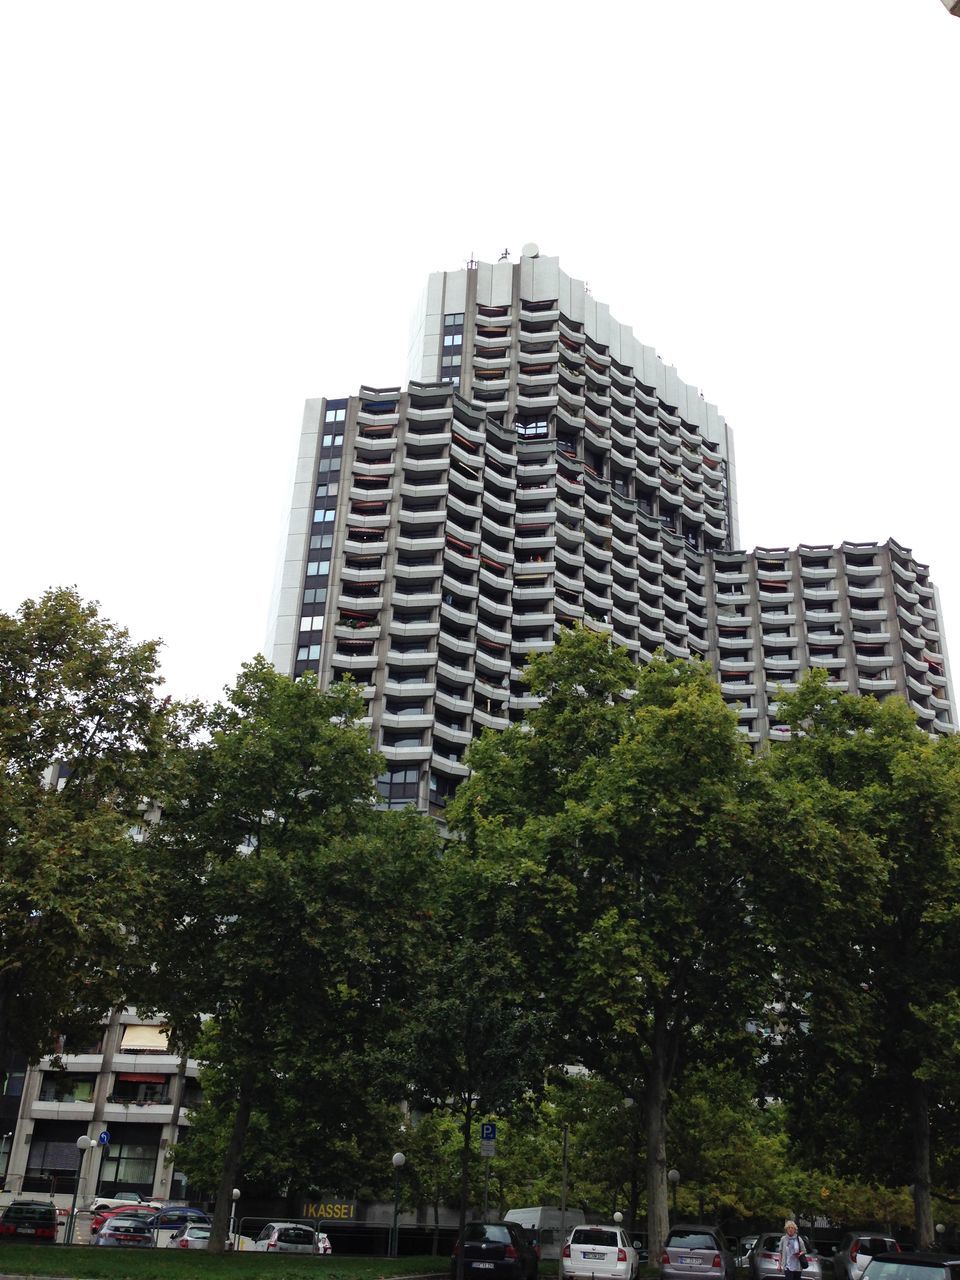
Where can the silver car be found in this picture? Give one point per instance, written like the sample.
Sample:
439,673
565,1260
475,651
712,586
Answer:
855,1251
765,1257
696,1253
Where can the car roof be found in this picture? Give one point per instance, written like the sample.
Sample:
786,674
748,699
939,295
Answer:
918,1257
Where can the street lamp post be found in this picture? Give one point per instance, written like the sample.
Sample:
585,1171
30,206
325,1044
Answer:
235,1196
399,1160
673,1177
83,1146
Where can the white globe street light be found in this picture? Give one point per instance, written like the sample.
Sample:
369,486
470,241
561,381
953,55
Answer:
398,1161
83,1146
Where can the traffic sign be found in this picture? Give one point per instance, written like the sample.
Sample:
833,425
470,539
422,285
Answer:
488,1131
104,1138
488,1148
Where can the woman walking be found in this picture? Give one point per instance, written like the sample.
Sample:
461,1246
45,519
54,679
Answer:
792,1258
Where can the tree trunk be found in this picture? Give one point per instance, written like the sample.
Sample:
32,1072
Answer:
658,1220
231,1163
464,1181
922,1206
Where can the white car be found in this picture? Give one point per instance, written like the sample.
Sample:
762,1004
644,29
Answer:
100,1203
596,1251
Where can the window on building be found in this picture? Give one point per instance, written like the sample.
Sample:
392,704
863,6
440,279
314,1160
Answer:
399,787
321,542
333,440
315,595
335,414
325,517
453,339
328,490
66,1086
312,623
315,567
308,653
330,464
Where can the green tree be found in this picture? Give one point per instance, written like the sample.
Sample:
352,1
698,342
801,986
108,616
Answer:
296,912
479,1042
878,1026
82,737
623,812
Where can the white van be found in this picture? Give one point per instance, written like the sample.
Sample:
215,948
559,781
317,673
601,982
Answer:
542,1224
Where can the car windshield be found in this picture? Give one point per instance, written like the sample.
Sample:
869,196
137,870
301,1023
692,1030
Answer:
295,1235
595,1235
690,1240
476,1231
877,1244
906,1271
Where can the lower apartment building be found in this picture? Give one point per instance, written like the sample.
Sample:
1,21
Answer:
865,613
127,1085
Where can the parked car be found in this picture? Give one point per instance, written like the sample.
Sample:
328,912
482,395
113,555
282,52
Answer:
31,1220
855,1251
496,1250
286,1237
131,1232
744,1245
599,1251
145,1212
765,1257
122,1200
696,1250
912,1266
190,1236
171,1217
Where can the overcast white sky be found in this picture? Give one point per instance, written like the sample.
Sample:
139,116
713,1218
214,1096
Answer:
212,211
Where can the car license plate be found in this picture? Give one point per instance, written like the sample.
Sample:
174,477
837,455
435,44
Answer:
482,1264
598,1256
26,1231
684,1261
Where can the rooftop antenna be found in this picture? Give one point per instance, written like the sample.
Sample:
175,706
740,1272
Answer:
505,256
471,262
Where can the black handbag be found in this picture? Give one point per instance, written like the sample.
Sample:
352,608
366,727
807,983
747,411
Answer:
802,1259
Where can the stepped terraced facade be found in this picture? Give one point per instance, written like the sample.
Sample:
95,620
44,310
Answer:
543,467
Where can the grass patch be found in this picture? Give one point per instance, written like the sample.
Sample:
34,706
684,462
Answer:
82,1262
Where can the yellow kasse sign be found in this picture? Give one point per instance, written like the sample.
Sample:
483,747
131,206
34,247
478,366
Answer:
331,1210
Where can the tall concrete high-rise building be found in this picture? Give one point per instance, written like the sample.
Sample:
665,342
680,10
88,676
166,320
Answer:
542,467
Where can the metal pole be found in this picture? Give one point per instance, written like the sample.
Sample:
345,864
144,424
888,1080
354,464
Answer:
396,1211
486,1187
563,1191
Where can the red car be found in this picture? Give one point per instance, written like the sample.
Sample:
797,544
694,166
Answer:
143,1212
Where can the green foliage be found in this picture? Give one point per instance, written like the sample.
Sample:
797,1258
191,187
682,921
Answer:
626,818
296,918
74,691
877,1078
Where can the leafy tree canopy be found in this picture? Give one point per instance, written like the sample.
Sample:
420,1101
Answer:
82,737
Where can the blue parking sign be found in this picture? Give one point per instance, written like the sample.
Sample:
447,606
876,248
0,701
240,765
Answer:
488,1131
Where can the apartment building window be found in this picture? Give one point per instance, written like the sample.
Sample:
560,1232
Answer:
325,517
336,411
399,787
308,653
317,567
315,595
328,490
334,440
65,1086
321,542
